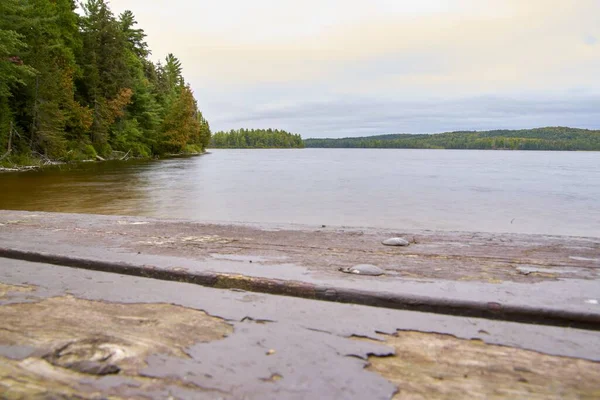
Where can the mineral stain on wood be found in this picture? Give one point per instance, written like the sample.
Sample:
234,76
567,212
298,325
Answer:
437,366
78,338
7,290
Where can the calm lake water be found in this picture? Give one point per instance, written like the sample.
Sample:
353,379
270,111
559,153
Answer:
494,191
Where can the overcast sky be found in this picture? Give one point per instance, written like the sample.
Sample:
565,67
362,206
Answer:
335,68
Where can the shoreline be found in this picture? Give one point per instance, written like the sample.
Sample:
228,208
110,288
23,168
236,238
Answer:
51,163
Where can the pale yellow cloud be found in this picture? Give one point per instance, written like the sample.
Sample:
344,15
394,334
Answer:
245,37
476,45
267,53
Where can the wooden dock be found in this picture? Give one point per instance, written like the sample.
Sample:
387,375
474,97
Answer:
122,307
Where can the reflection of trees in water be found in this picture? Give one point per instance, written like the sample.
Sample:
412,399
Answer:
104,188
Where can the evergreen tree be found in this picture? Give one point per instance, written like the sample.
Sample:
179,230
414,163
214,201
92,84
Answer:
256,139
70,81
549,138
134,37
181,126
172,73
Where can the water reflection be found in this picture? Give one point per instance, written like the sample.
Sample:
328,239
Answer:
493,191
103,188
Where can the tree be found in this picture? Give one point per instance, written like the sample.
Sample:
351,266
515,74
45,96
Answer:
105,72
172,73
181,126
70,81
256,138
549,138
134,37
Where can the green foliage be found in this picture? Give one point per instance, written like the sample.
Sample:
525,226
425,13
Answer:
180,126
192,149
20,159
134,37
172,73
75,86
549,138
12,71
256,139
89,152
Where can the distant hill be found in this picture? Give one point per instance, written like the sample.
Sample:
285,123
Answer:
256,139
549,138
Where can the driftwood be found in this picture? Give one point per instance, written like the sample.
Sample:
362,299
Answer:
126,156
19,168
46,160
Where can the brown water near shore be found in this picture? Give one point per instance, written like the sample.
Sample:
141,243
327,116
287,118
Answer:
489,191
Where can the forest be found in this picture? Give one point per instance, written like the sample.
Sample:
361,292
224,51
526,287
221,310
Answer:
549,138
256,139
78,84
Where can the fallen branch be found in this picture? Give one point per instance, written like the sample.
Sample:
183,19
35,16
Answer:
125,156
19,169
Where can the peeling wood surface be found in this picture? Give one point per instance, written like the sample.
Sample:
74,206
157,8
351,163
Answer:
7,290
78,340
90,334
469,274
171,339
59,345
436,366
106,333
461,256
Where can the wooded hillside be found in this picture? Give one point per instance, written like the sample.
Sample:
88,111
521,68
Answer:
550,138
76,85
256,139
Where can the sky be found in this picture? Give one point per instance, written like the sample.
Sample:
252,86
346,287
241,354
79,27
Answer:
340,68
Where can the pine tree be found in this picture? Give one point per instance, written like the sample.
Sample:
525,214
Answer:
68,81
134,37
105,72
181,126
172,73
13,70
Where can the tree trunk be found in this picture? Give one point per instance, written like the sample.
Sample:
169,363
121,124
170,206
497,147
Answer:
9,147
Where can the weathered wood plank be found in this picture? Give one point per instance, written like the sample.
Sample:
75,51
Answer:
488,275
72,333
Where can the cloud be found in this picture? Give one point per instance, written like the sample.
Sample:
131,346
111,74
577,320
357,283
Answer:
360,117
248,59
591,40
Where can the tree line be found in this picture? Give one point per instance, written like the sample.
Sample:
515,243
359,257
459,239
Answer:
549,138
74,86
256,139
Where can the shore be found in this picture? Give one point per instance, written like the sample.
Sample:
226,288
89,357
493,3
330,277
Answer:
53,163
255,311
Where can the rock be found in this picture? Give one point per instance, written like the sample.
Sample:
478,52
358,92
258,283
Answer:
93,368
363,269
395,242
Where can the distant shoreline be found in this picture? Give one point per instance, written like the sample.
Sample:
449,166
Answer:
50,164
544,139
391,148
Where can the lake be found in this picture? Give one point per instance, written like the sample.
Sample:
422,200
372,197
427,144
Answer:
493,191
